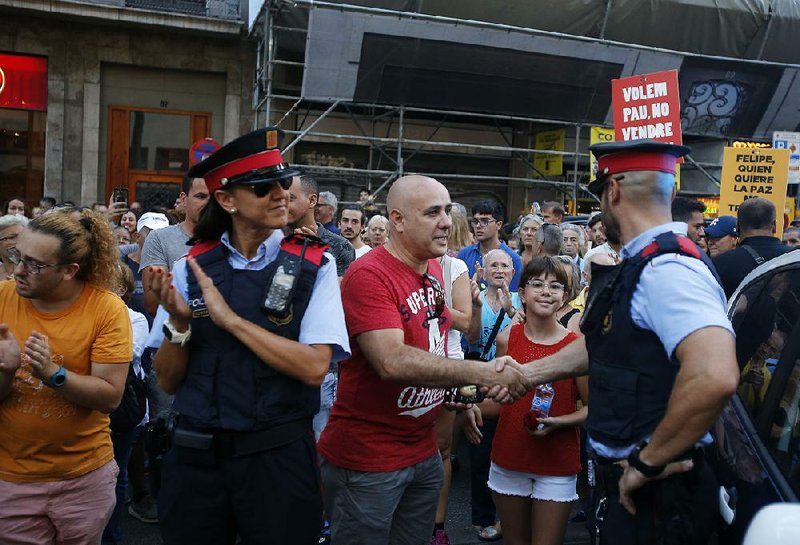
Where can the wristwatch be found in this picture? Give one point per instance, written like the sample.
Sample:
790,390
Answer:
643,468
174,336
58,379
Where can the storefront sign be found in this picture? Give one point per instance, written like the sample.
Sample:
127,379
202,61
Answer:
546,164
748,173
647,106
790,141
23,82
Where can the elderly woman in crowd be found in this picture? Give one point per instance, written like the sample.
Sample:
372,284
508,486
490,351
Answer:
529,246
10,227
377,231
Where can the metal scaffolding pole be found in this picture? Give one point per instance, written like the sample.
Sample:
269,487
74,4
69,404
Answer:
264,97
307,130
576,187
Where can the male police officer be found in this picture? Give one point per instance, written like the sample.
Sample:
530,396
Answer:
254,320
650,325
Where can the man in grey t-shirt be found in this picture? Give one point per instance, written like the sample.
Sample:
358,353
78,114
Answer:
165,246
161,249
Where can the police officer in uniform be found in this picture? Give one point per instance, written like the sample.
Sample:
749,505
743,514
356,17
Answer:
660,354
254,320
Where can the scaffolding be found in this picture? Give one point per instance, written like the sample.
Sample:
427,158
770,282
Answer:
279,21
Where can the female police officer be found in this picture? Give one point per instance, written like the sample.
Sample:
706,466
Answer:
254,321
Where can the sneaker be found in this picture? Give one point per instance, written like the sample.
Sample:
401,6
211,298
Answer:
144,510
439,538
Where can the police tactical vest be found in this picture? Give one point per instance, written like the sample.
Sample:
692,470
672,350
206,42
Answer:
630,375
227,386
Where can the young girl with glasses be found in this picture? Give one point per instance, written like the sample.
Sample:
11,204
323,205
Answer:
533,472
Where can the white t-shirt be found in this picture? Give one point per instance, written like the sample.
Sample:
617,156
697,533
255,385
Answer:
361,251
457,268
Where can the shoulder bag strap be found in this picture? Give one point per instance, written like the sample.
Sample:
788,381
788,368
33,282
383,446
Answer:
755,255
493,334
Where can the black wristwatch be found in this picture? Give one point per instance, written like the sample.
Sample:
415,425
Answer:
643,468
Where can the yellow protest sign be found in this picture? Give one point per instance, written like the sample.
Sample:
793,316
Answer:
546,164
597,135
748,173
789,210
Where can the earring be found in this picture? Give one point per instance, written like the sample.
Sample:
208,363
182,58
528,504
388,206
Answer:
232,210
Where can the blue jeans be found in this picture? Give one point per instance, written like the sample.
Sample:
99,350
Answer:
327,395
123,446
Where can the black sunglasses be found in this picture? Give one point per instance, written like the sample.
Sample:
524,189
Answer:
264,188
430,281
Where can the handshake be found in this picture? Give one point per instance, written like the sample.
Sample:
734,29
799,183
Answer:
503,379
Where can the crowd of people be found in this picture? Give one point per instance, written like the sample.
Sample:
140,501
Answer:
300,371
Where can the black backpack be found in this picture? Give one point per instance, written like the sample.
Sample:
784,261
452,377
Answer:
133,405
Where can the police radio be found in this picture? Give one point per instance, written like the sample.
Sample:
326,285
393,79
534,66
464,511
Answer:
277,301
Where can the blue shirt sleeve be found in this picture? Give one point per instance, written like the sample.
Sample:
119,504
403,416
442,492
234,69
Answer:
466,255
676,296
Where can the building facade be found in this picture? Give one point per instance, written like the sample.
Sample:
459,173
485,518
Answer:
113,93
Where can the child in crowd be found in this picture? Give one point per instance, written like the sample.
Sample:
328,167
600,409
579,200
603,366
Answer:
534,471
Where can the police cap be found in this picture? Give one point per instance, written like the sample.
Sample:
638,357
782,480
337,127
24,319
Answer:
252,159
633,155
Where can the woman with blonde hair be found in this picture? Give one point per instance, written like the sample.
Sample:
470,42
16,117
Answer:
377,231
460,233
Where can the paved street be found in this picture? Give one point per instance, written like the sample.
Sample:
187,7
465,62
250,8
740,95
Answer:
458,522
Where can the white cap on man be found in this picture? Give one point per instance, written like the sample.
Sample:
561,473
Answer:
153,221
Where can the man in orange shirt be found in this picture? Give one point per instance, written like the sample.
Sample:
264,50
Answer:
65,342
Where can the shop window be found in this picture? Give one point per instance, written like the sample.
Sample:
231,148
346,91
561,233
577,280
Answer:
159,141
22,155
148,151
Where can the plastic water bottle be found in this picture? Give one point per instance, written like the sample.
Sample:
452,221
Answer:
540,406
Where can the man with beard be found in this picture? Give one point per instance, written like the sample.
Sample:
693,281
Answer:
65,345
649,326
381,468
690,212
303,198
351,223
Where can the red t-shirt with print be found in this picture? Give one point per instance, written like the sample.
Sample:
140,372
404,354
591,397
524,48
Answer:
377,425
557,453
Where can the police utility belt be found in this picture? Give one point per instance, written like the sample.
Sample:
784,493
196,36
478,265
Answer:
609,471
203,446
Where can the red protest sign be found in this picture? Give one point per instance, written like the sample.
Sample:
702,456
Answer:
647,106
